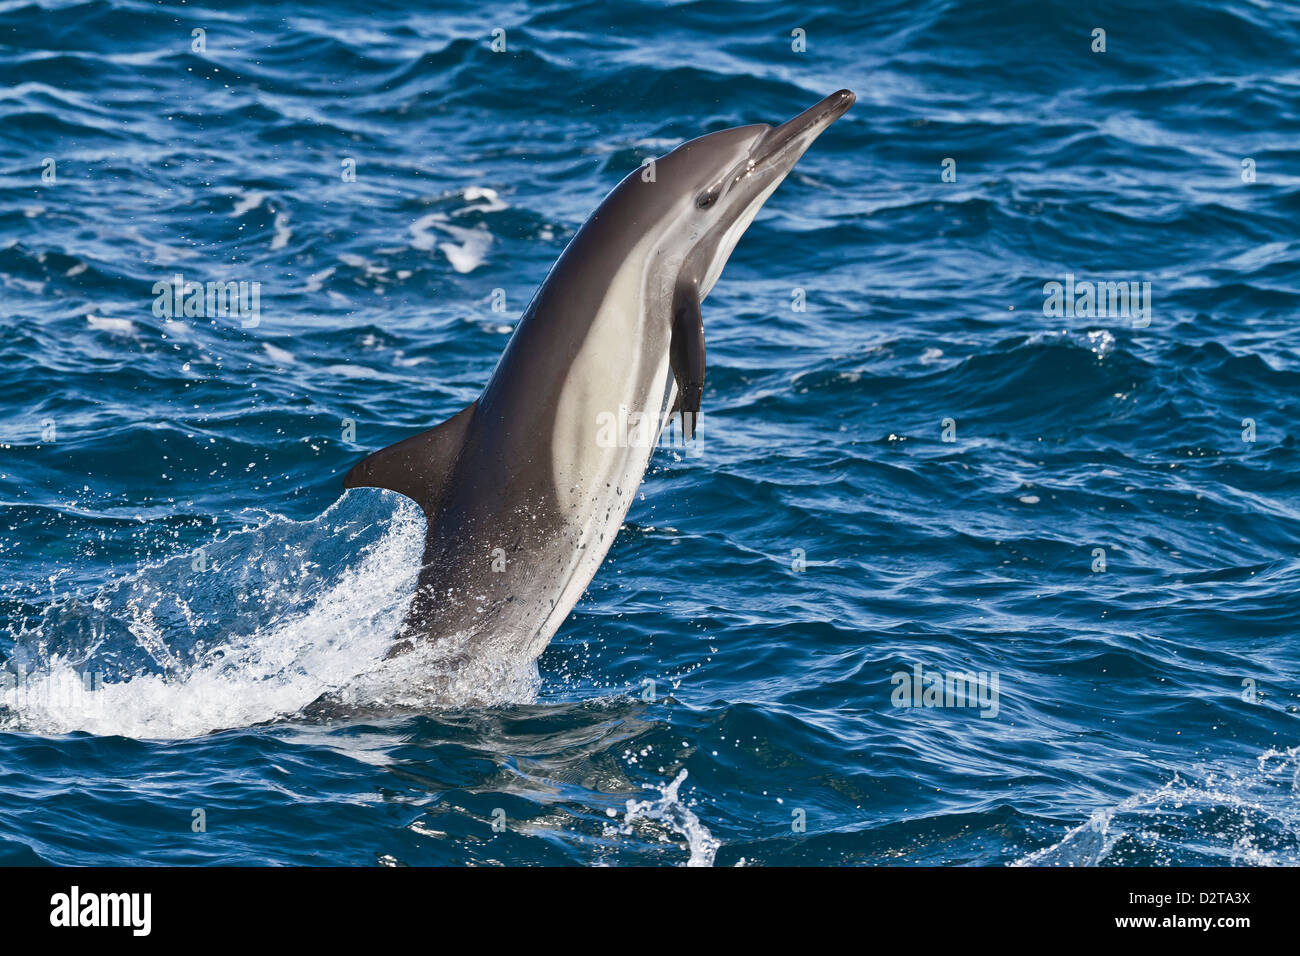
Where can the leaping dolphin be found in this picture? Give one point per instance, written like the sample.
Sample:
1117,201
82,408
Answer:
523,491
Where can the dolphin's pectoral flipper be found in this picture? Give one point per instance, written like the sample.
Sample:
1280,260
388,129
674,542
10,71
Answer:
417,467
686,353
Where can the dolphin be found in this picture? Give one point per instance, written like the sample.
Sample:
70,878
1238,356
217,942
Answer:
524,490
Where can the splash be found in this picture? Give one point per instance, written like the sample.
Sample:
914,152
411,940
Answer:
670,817
282,616
1245,819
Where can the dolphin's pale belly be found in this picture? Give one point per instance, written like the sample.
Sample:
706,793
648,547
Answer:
601,487
596,432
515,599
608,416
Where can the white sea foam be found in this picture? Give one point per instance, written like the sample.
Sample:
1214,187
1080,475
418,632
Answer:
308,637
278,355
465,247
490,201
353,371
102,323
466,253
247,202
317,279
1238,818
282,231
273,671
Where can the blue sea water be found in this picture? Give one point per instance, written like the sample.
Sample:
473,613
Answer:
923,468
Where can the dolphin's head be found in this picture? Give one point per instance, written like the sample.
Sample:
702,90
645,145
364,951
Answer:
722,179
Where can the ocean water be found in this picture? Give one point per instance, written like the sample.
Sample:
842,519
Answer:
911,463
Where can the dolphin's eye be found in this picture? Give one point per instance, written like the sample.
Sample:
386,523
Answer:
707,200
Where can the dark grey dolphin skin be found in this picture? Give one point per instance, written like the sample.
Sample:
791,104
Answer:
525,489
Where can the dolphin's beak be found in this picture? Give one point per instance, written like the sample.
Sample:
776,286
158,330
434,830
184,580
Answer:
797,134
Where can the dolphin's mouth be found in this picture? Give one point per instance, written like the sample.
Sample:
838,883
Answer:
803,129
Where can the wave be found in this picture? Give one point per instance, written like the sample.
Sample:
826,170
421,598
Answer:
251,628
1224,819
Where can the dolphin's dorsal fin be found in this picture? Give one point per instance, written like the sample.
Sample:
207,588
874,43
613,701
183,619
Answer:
686,353
418,466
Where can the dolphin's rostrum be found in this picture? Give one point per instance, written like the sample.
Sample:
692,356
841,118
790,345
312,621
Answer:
521,493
